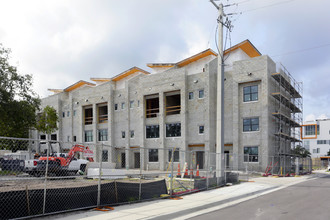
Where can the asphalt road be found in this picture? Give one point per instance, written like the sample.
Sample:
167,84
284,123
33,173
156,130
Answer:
307,200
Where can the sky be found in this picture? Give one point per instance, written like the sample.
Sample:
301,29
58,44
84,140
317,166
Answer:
61,42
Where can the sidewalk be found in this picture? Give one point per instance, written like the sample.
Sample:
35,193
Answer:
193,204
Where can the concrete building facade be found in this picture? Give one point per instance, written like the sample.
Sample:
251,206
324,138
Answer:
143,114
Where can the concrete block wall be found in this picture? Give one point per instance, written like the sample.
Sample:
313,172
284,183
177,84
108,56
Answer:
194,112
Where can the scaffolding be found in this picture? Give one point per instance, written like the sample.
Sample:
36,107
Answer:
288,116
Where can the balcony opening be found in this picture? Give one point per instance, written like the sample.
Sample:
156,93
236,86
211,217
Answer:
88,115
152,106
173,103
103,113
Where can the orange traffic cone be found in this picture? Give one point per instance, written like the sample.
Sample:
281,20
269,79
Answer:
197,172
186,173
179,174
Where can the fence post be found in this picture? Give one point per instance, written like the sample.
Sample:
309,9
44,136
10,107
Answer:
46,175
100,175
140,186
171,185
208,170
272,165
225,167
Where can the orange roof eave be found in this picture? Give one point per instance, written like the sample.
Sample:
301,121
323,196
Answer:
55,90
247,47
129,72
160,65
196,57
100,79
77,85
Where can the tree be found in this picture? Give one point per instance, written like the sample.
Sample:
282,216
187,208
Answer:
301,151
47,120
18,102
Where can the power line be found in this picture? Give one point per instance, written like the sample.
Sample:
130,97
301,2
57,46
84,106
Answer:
267,6
302,50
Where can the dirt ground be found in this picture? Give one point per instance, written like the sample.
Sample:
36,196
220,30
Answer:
17,183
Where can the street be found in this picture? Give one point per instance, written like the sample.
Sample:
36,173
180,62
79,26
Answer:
307,200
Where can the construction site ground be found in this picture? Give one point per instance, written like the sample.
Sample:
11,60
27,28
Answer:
193,204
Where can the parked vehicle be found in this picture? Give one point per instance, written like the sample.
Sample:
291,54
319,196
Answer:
62,164
10,164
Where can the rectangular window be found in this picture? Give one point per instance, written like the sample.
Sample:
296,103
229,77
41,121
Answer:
68,138
201,93
116,107
88,116
153,155
67,114
176,156
42,137
191,95
132,133
152,131
63,114
250,154
173,130
105,156
103,114
310,129
131,104
314,151
152,106
173,103
201,129
103,134
123,105
123,134
250,124
138,104
74,138
88,136
53,137
74,112
318,150
250,93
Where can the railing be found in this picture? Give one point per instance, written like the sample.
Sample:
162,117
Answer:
88,120
103,118
152,113
172,110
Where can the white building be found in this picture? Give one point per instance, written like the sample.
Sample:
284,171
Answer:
316,136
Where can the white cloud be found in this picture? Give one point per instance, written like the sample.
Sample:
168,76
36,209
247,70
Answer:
61,42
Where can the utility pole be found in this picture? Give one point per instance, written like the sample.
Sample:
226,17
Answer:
220,166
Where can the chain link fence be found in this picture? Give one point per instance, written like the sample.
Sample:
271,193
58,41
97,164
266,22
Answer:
39,177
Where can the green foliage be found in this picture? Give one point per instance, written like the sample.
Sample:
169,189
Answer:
18,102
47,120
301,151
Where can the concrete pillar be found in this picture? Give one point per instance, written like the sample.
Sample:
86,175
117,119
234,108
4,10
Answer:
97,149
162,134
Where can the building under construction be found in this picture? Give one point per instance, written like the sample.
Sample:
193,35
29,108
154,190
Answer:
141,114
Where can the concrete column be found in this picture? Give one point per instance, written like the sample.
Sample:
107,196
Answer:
97,149
184,121
142,109
129,156
162,134
112,153
237,125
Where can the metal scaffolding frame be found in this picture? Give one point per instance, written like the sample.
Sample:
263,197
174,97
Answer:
288,116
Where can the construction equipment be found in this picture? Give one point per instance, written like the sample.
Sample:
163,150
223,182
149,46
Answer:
58,163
